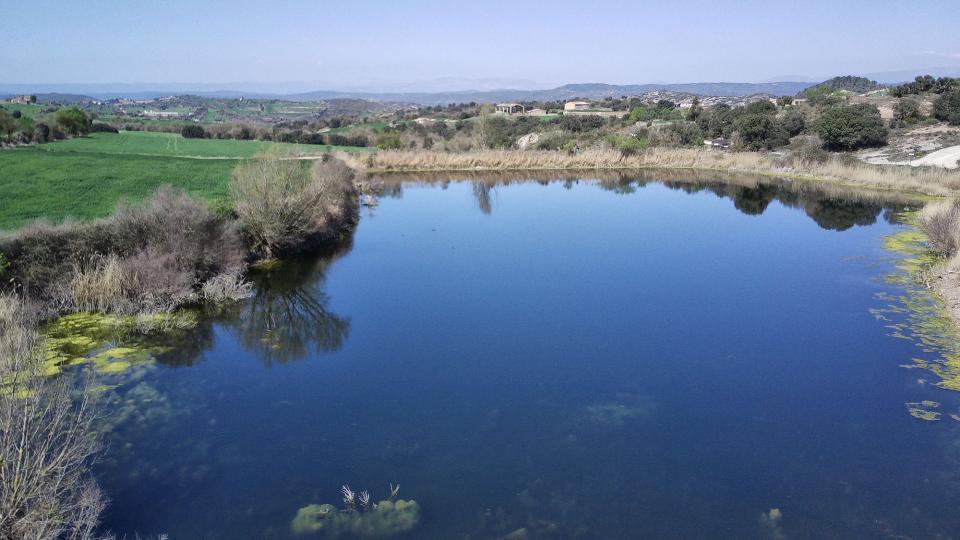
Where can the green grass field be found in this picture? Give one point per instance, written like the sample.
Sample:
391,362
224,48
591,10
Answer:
84,178
144,143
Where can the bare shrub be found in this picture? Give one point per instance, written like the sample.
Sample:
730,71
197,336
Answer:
172,222
152,256
158,281
224,287
284,208
808,149
47,442
941,222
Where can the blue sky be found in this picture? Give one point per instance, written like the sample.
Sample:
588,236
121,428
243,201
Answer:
393,44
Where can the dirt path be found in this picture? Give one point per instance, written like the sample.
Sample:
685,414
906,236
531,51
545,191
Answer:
945,157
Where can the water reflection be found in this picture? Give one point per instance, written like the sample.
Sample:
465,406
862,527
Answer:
481,191
288,316
832,207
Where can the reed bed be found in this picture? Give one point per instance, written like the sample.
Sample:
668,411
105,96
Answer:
836,169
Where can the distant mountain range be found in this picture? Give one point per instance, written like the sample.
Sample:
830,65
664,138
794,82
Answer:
588,91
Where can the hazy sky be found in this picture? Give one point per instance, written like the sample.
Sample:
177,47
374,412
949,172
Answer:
379,42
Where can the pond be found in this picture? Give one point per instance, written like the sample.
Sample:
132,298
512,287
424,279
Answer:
625,357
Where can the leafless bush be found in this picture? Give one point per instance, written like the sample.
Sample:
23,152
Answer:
808,149
158,281
172,222
47,442
941,222
284,207
152,256
229,286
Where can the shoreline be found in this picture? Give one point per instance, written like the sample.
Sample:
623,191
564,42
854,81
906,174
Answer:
837,170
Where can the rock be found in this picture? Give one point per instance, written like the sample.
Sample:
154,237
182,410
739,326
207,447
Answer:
528,140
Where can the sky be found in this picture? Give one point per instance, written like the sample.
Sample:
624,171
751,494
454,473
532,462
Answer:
419,45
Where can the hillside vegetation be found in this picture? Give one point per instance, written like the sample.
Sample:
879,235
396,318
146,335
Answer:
846,83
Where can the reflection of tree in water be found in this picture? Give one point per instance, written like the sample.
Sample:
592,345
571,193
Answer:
840,215
482,192
620,186
183,347
754,201
288,317
829,211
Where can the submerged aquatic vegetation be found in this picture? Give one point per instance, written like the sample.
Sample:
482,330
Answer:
111,343
922,410
387,518
382,519
919,315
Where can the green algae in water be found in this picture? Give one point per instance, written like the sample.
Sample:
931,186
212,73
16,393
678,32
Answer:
386,519
922,410
110,343
919,315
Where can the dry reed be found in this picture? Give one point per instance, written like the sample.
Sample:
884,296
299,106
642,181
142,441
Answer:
836,169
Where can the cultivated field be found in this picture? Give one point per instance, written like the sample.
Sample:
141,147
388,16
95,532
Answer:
171,145
85,177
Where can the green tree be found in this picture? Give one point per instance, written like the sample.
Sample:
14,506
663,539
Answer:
72,120
760,132
389,140
193,131
761,107
851,127
7,123
696,109
947,107
793,122
906,112
785,101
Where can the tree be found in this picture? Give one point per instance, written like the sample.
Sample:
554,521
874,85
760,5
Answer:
72,120
696,109
7,123
851,127
760,132
193,131
906,112
482,127
761,107
793,122
41,133
947,107
785,101
389,140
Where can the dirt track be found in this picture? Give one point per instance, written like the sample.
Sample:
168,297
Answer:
945,157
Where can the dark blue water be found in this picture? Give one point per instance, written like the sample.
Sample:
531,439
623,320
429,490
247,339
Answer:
579,360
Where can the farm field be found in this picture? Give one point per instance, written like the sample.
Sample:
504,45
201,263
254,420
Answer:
84,178
145,143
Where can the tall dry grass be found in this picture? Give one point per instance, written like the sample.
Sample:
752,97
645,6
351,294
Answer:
841,169
941,221
98,285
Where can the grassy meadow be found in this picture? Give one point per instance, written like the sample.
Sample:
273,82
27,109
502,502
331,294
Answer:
84,178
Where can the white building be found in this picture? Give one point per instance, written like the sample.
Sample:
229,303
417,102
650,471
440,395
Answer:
576,105
509,108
